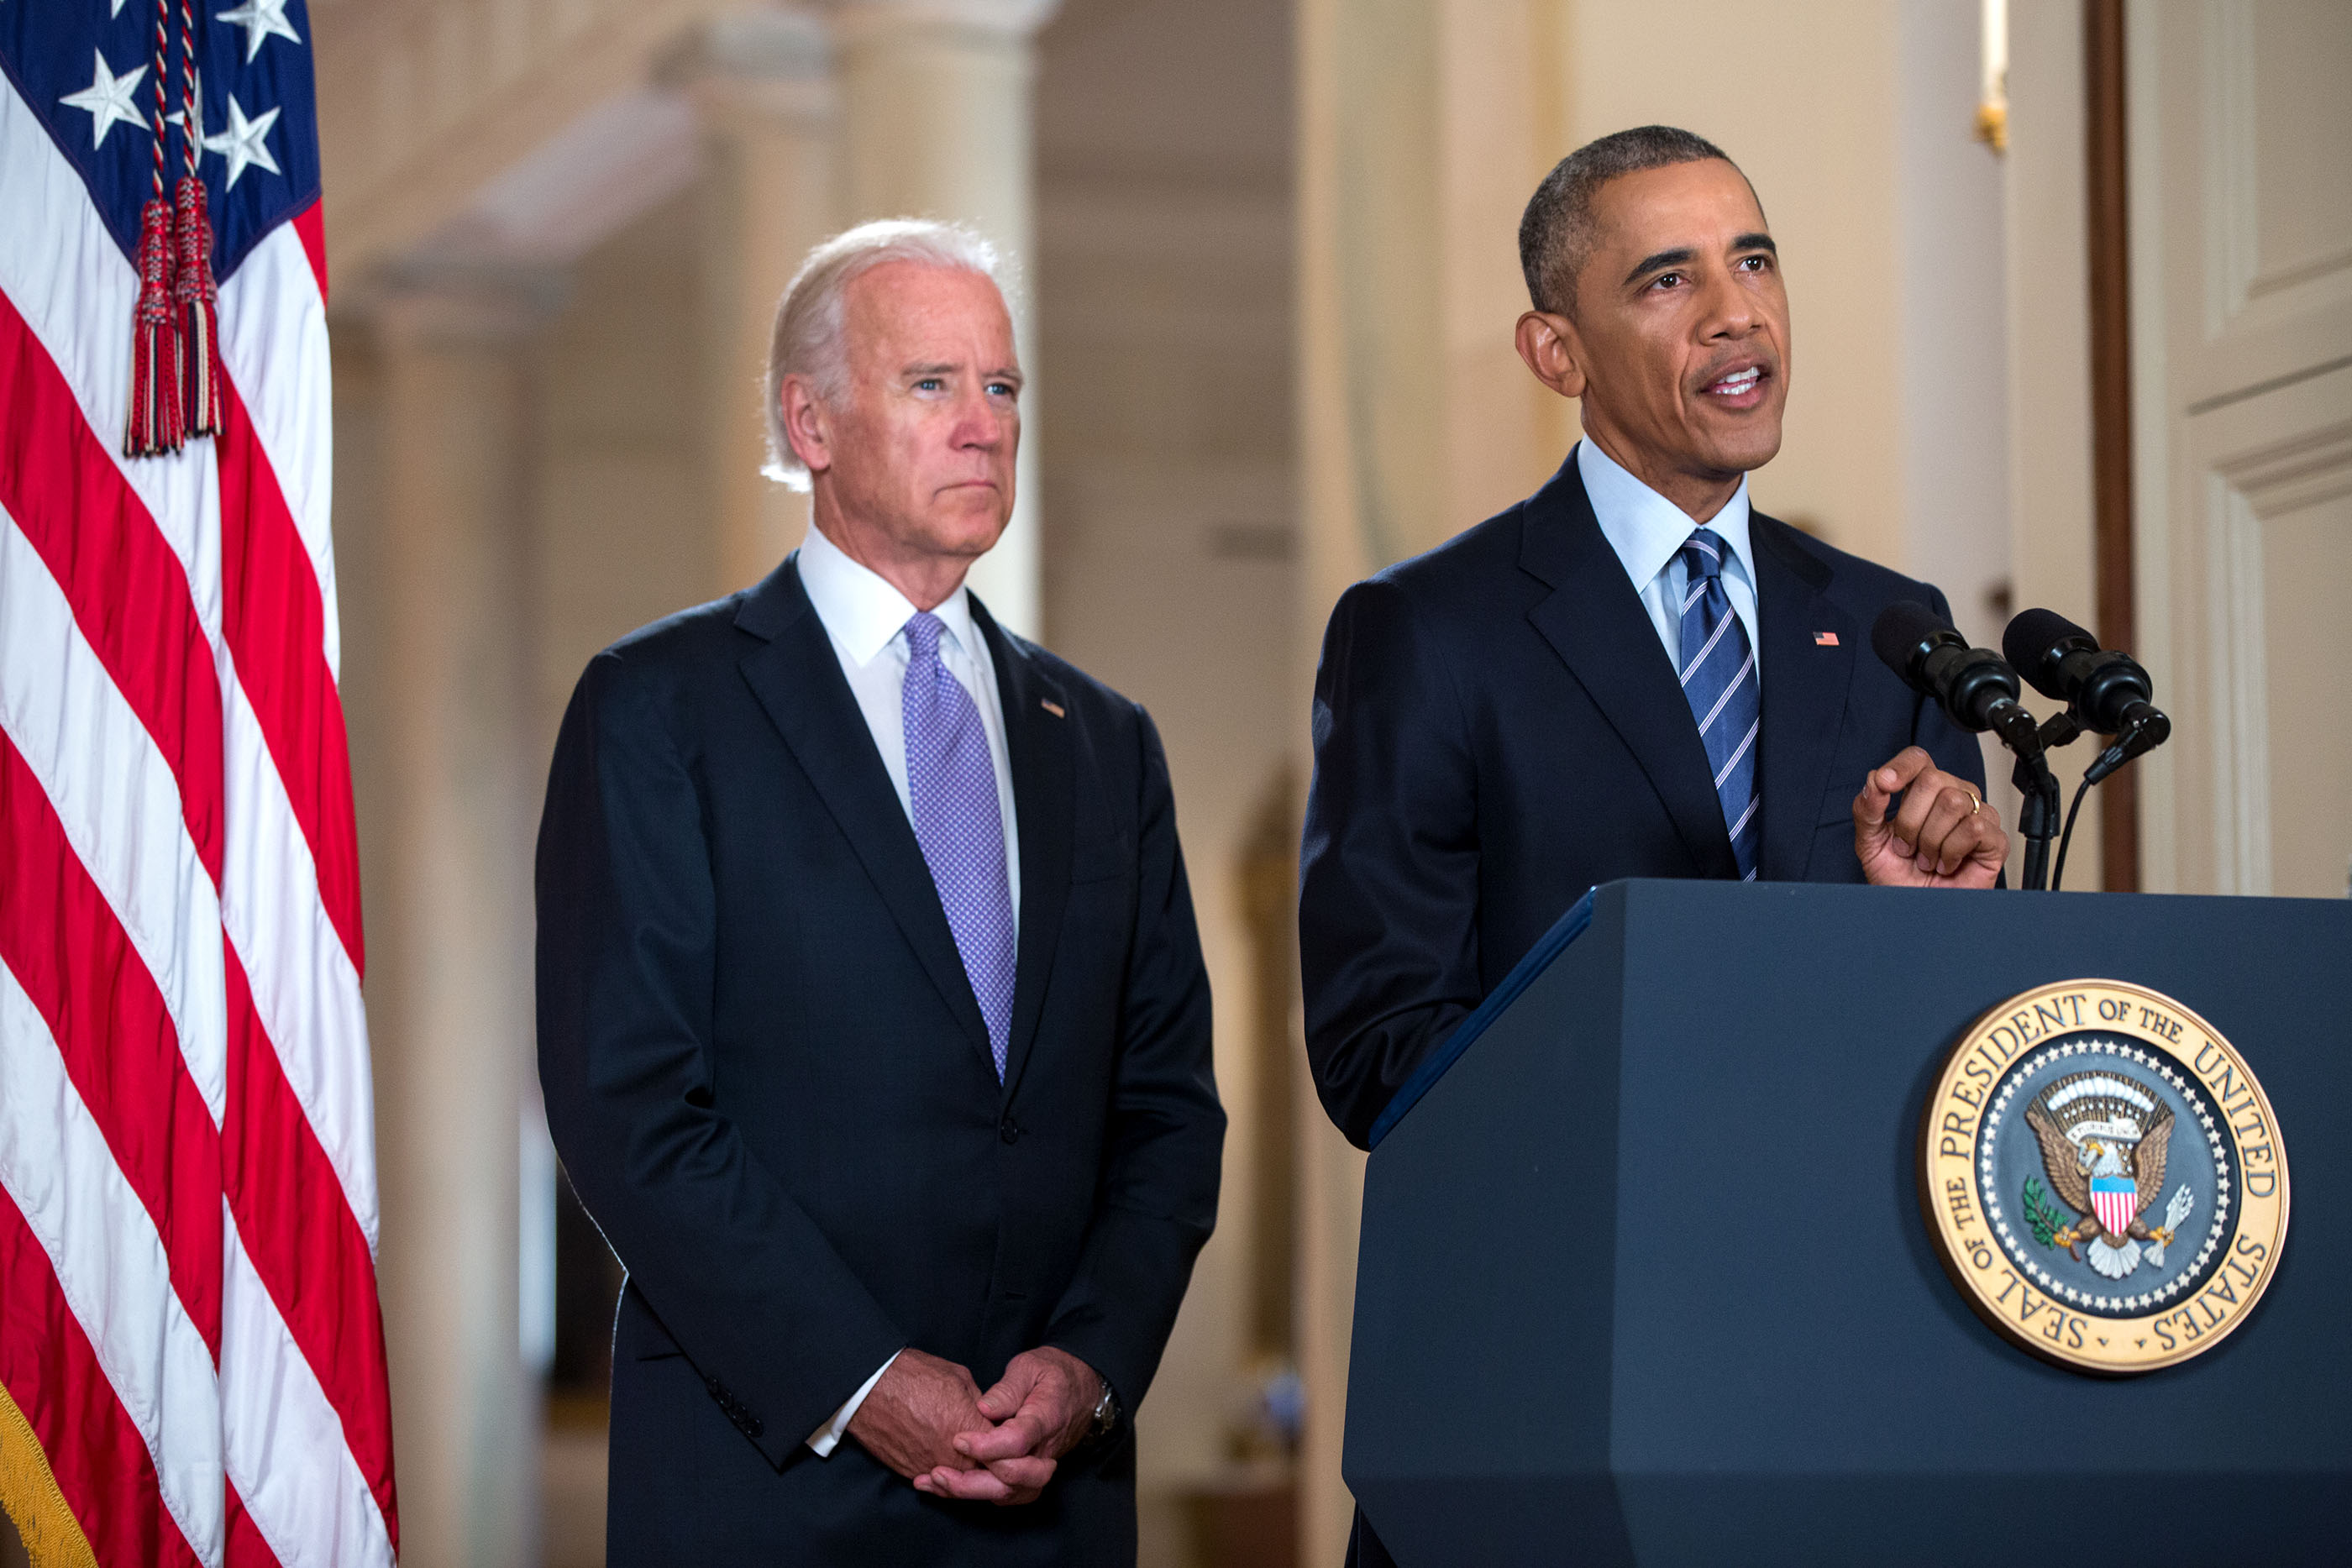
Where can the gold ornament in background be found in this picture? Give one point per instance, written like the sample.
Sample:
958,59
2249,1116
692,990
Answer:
1992,124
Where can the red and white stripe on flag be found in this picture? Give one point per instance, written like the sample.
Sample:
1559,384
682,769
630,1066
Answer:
2115,1200
192,1363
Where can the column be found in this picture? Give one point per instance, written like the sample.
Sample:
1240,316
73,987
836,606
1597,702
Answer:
935,99
449,989
762,84
1423,126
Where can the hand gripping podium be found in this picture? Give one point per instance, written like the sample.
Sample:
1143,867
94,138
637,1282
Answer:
1645,1277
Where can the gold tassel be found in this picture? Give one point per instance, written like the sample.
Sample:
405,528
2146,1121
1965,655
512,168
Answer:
30,1499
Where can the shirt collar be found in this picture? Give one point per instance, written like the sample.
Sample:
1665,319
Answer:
1643,527
861,610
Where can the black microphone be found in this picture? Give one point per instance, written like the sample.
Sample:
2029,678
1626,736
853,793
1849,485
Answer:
1971,684
2107,691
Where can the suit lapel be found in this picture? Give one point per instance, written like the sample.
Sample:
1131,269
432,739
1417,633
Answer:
1044,801
1805,683
1593,619
797,678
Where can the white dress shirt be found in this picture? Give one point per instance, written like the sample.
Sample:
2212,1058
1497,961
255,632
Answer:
1648,531
867,618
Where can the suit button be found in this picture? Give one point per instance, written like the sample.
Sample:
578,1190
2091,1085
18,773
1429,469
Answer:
1009,1130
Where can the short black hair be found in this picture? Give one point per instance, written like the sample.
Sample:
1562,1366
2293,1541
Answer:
1557,233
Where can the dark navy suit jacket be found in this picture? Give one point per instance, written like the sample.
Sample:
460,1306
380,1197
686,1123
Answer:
1498,728
769,1082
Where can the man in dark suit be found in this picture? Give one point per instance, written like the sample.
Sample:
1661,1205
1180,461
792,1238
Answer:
1627,674
873,1023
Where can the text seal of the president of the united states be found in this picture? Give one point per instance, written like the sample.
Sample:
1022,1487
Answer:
2104,1177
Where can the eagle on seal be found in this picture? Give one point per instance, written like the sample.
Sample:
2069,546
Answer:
2104,1144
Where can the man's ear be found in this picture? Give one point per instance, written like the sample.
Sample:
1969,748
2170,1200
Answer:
808,425
1548,344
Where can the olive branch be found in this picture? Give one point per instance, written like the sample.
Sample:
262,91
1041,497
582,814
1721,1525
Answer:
2041,1214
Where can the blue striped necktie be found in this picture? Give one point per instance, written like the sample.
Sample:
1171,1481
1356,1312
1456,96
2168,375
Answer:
1720,682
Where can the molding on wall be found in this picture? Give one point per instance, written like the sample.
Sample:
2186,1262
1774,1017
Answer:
2242,492
2237,673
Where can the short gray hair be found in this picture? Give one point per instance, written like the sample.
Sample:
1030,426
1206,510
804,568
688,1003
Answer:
807,337
1557,233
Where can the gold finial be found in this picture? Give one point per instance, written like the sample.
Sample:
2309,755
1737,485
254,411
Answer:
1992,80
1992,124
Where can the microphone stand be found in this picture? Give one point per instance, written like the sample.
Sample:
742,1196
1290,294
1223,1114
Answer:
2037,817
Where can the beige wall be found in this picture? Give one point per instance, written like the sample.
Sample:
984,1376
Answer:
1807,106
765,194
2048,344
622,526
1952,358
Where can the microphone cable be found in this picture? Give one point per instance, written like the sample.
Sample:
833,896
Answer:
2066,835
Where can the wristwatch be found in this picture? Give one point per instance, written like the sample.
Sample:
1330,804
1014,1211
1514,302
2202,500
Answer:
1105,1418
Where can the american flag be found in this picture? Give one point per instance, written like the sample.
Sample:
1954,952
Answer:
192,1363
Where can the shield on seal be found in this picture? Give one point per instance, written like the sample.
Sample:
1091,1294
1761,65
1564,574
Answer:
2115,1200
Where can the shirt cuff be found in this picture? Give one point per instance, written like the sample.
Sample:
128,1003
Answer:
823,1439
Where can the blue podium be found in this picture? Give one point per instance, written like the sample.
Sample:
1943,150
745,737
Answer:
1645,1277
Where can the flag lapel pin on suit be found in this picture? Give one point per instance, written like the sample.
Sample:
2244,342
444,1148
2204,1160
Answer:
1825,639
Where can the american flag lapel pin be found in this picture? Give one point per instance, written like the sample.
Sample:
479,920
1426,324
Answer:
1053,708
1825,639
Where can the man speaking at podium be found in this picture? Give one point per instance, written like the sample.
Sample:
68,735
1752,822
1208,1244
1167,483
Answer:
1628,674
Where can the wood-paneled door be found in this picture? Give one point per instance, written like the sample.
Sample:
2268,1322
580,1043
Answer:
2240,153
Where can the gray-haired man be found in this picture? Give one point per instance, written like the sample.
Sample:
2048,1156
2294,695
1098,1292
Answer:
872,1019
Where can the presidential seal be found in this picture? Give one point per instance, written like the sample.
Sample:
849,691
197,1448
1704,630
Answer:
2104,1177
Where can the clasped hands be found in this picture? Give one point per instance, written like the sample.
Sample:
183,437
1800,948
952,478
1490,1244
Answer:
927,1420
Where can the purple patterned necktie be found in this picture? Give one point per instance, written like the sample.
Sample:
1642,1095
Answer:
951,782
